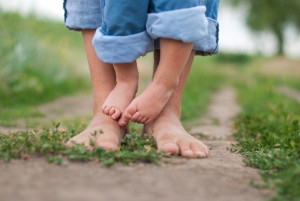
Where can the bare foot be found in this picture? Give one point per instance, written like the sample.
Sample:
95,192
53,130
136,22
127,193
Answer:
171,137
102,131
127,76
148,105
119,98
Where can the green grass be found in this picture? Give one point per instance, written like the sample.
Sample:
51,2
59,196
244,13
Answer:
204,79
268,132
39,62
50,143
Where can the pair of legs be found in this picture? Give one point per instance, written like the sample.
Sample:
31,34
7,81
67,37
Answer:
144,108
166,128
130,34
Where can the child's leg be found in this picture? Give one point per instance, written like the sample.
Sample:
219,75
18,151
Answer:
178,24
103,80
149,104
124,91
120,40
167,129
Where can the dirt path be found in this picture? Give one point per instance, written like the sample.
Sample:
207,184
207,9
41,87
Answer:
295,94
64,108
221,177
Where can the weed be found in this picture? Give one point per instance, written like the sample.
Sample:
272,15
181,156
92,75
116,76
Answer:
50,143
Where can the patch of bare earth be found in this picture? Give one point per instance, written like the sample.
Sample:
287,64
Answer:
293,93
281,66
221,177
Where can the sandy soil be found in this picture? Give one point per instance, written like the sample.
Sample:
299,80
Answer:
221,177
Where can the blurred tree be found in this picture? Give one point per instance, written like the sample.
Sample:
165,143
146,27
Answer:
274,16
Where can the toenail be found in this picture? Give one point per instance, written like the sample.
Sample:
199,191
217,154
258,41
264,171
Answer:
201,154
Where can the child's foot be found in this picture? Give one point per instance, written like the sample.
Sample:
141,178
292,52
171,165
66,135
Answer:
171,137
127,76
119,98
148,105
101,132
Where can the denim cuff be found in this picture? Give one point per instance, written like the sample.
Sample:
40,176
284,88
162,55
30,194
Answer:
208,45
122,49
81,15
187,25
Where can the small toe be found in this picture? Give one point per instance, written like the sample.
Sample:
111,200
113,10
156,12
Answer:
139,119
130,111
136,117
112,111
185,150
106,110
206,151
143,120
123,121
116,115
198,151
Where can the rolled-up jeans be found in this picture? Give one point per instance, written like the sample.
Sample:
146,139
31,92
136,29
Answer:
120,37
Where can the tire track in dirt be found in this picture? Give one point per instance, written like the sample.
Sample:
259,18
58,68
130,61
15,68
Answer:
221,177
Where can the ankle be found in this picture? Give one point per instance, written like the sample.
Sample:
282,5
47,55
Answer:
129,85
166,83
169,112
127,74
130,80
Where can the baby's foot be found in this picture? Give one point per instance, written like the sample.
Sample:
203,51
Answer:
171,137
101,132
119,98
148,105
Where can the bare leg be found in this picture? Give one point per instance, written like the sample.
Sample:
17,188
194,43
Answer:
124,91
103,80
167,129
144,108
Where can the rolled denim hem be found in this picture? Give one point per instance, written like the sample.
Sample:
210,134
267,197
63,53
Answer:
187,25
208,45
78,16
122,49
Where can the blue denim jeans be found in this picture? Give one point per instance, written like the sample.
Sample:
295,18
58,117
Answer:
182,20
